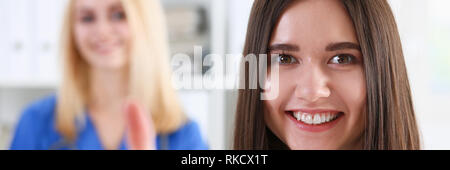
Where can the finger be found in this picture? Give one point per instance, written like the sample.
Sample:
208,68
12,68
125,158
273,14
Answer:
139,127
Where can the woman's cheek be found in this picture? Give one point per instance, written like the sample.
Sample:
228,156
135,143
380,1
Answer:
123,31
357,89
81,36
350,87
272,104
281,87
274,109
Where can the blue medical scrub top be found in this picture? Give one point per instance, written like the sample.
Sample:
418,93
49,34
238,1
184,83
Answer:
36,131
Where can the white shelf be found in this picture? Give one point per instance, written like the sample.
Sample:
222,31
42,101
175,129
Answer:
28,85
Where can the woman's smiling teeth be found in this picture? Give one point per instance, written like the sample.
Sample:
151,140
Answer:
316,118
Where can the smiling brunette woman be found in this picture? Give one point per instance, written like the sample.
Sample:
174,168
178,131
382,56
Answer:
342,78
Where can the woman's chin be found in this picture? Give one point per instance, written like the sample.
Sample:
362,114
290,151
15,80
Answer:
106,66
312,147
110,63
312,144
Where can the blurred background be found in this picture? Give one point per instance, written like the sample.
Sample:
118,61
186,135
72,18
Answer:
29,60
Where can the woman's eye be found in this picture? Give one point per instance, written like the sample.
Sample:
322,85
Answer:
284,59
119,16
342,59
87,19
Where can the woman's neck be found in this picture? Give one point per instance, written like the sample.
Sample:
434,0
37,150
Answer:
107,90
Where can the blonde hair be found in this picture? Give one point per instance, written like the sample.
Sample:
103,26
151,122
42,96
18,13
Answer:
149,72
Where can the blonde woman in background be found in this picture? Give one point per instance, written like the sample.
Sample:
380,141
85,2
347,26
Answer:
116,91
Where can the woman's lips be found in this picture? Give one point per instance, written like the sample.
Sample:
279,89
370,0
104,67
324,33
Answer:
105,48
315,120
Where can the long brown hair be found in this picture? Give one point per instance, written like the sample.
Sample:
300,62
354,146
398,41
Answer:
390,122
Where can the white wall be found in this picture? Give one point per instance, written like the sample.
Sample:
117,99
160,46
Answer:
425,31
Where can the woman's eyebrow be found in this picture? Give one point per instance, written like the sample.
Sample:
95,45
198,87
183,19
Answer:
284,47
116,6
85,9
342,45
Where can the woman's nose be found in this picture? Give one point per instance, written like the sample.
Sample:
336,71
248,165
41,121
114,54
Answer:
312,85
103,29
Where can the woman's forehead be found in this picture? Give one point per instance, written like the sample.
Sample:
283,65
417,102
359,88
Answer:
314,22
95,4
